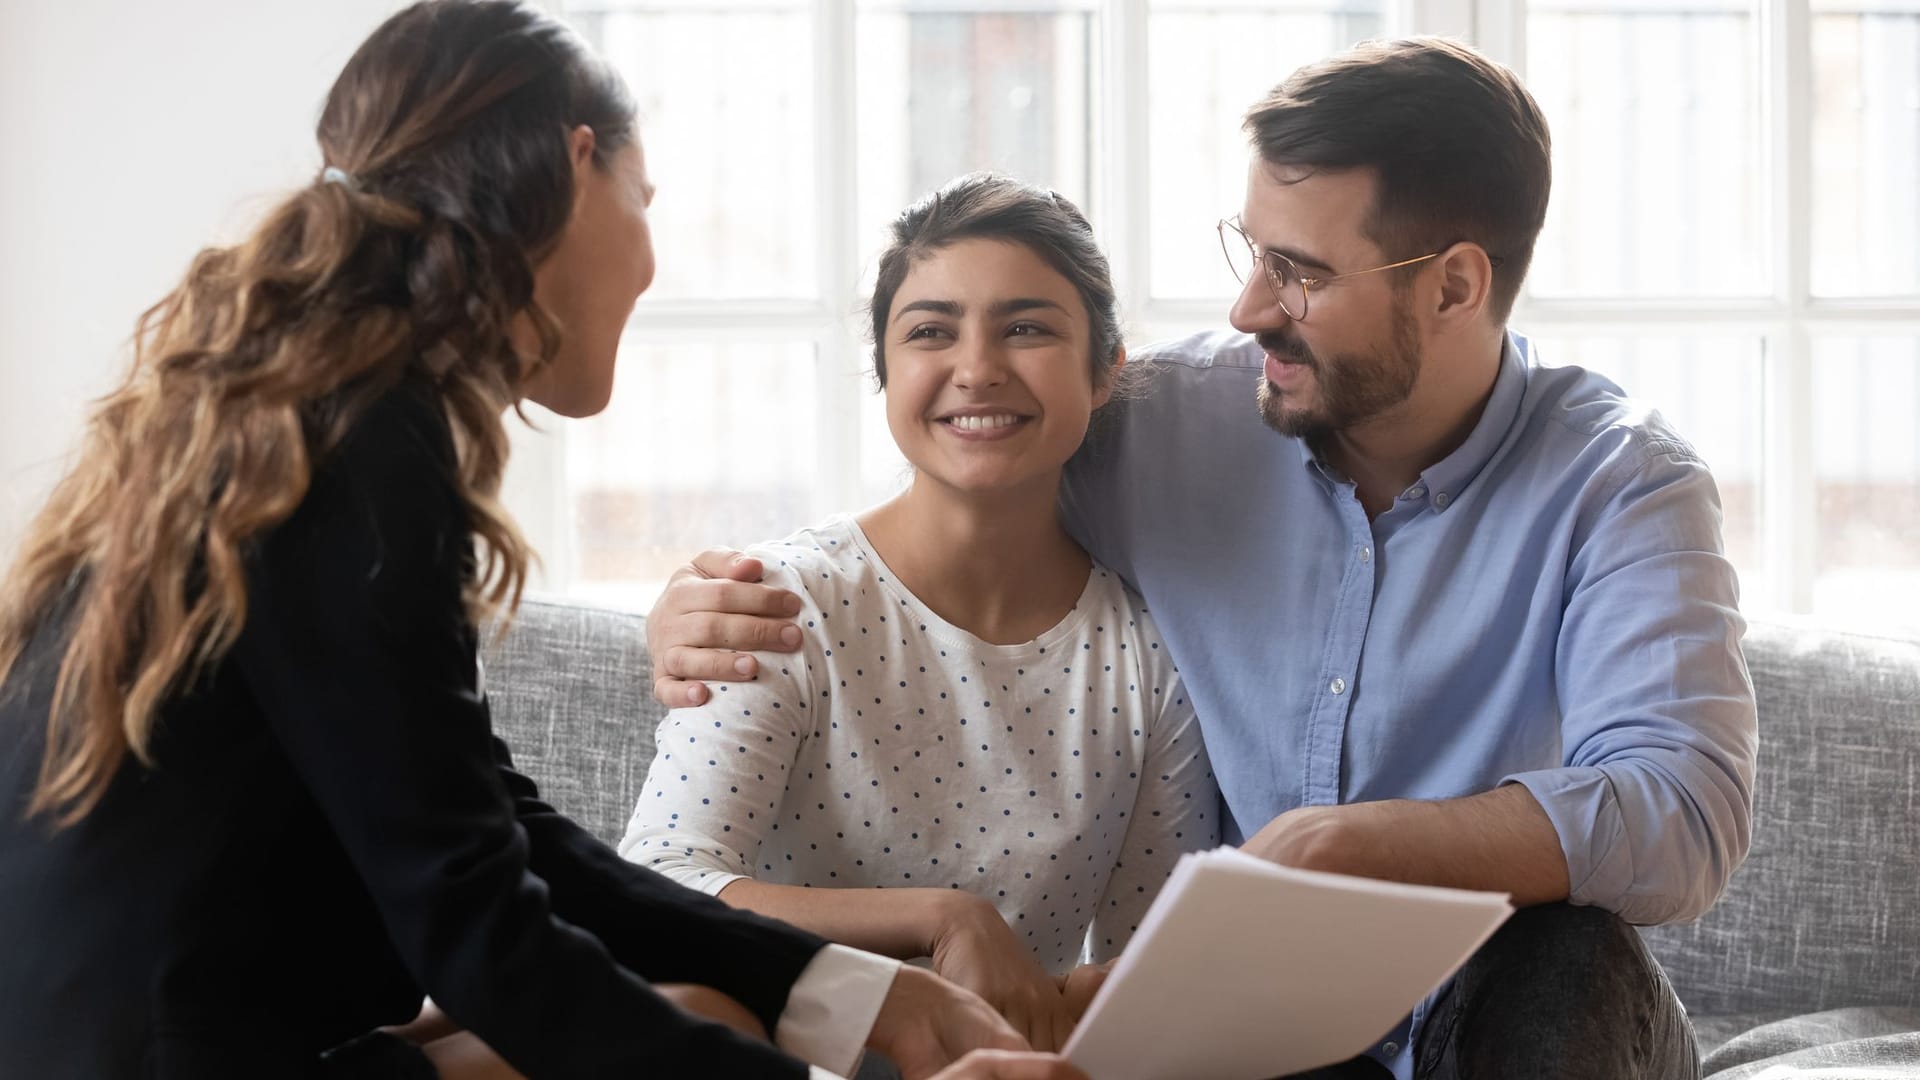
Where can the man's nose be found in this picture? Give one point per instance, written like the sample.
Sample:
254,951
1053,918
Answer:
1257,309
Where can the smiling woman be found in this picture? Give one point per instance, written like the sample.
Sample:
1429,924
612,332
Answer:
254,808
1017,763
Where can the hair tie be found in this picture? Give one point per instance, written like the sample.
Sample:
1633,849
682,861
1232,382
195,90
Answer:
333,175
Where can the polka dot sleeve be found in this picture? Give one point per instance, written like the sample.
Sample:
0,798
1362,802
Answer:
1177,811
721,770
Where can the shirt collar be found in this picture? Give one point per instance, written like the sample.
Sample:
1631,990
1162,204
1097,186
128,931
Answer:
1441,484
1448,477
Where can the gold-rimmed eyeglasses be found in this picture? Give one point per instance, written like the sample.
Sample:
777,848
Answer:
1290,287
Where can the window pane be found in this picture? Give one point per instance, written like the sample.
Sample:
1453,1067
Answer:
1866,150
1206,63
702,445
726,116
1710,390
1655,111
884,473
941,93
1867,477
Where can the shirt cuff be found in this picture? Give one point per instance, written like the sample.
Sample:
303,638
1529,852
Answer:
832,1007
1580,802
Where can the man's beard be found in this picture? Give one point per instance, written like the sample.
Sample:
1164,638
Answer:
1353,387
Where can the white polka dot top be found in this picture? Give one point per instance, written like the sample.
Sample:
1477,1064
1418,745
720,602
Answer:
1061,778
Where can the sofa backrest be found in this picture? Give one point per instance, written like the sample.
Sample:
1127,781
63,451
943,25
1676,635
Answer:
1825,913
572,694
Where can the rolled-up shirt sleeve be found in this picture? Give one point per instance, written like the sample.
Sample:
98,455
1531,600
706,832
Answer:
1653,804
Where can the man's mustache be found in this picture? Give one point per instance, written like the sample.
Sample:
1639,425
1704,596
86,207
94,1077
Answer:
1285,345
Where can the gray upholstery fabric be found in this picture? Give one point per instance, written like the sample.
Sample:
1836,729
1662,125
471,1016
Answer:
1824,915
572,694
1826,912
1869,1044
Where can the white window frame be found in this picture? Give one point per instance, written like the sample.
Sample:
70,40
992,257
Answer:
1787,321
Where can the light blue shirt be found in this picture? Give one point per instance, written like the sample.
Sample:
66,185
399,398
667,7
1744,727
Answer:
1549,605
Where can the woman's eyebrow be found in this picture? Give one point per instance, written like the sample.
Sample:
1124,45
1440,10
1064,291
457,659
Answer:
1002,308
939,307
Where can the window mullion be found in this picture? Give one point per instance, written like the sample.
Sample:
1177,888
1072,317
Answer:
1789,519
836,347
1500,31
1122,201
1449,18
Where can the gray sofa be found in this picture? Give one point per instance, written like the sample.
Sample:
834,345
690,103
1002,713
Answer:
1809,965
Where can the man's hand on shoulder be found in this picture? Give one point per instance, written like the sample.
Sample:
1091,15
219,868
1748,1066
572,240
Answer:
711,614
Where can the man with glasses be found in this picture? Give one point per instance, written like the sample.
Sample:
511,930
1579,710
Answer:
1449,617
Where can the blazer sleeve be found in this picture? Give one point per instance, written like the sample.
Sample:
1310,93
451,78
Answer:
359,652
654,926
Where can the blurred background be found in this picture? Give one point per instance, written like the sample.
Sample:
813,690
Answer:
1734,235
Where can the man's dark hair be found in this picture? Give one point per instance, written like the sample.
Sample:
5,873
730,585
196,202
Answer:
1459,147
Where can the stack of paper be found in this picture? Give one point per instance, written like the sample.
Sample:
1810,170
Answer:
1244,970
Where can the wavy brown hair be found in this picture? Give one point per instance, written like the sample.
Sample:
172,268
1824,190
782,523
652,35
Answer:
447,179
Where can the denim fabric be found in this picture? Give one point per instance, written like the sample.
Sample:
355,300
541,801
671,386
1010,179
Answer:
1560,993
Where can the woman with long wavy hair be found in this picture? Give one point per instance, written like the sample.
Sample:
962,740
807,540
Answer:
253,808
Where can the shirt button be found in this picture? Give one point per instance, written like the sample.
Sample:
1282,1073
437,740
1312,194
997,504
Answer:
1338,685
1390,1049
1441,500
1417,491
1366,554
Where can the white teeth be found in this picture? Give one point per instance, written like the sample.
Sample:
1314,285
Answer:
983,423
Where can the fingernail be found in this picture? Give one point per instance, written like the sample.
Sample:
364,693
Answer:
792,605
790,636
743,665
696,694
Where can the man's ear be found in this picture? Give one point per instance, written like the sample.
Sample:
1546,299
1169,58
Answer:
1466,284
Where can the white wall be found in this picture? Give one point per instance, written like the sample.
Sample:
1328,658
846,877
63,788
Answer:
132,133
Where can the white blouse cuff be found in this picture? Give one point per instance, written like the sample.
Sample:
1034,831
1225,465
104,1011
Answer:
832,1007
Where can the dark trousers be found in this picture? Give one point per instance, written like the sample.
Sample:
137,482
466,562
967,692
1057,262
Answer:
1558,993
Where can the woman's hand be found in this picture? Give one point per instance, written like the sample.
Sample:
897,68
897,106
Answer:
1010,1065
1079,985
926,1022
976,949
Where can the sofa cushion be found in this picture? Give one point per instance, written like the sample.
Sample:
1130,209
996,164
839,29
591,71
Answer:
1882,1044
1824,913
572,694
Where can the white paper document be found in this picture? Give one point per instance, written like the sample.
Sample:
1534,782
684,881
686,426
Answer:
1243,970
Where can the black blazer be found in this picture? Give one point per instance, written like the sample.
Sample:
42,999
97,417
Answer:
330,831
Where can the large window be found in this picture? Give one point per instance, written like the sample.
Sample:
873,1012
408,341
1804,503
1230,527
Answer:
1734,237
